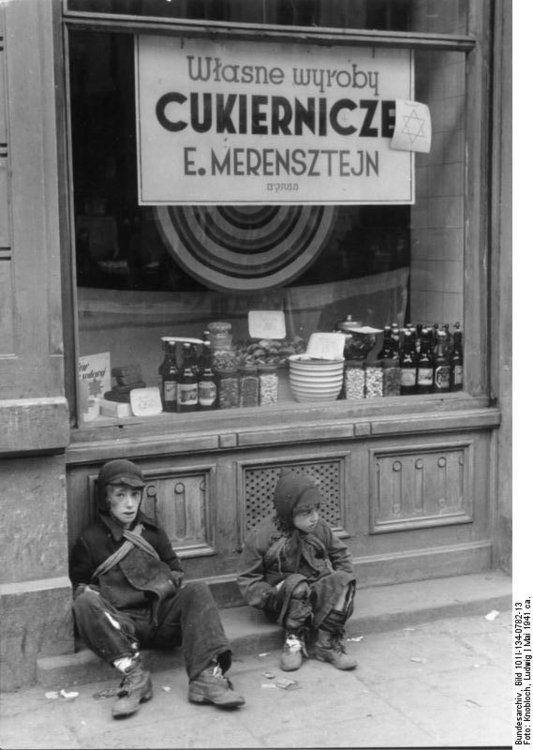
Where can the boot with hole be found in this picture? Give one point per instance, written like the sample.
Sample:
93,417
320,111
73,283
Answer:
212,687
293,652
330,648
135,688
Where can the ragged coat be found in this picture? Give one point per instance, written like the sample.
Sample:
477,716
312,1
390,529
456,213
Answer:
139,580
270,555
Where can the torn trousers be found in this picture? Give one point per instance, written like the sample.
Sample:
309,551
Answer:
189,618
323,595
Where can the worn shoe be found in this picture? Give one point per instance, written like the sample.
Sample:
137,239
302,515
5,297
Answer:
330,648
293,652
212,687
135,688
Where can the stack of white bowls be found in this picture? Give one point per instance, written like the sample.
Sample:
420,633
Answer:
313,379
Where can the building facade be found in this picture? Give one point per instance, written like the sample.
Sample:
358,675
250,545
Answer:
265,171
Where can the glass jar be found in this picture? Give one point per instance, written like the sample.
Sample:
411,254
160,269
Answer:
249,388
373,379
354,379
392,377
224,360
268,385
220,335
228,390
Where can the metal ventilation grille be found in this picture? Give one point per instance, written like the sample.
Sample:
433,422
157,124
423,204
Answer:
260,483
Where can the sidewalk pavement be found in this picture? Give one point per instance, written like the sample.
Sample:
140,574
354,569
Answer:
442,680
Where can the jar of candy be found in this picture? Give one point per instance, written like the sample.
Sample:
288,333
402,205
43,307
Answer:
392,377
354,379
228,391
373,378
220,335
249,387
268,385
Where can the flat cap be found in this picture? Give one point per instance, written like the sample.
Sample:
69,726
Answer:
121,471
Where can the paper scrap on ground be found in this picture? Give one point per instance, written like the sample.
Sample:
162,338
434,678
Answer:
52,695
418,659
286,684
492,615
357,639
69,696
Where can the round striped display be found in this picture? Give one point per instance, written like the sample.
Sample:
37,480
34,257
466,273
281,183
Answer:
244,248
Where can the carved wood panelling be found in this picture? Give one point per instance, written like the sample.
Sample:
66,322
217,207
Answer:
420,487
259,481
181,502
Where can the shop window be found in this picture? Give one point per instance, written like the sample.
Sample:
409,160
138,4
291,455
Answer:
145,273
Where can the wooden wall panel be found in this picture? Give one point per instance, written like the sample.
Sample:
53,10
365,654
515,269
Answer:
417,487
182,504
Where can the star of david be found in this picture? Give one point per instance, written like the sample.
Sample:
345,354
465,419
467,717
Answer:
413,126
95,387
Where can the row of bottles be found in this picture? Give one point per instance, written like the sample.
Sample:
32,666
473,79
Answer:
430,360
191,387
198,385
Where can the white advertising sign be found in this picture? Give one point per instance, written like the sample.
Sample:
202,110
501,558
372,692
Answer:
238,122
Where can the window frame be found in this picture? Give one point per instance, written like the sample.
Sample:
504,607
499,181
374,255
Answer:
475,46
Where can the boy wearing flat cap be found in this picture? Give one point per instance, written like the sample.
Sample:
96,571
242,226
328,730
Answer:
300,574
128,593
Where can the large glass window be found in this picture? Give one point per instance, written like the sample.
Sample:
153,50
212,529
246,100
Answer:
146,273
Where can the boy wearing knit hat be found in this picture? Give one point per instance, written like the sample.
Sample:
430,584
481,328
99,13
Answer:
128,593
300,574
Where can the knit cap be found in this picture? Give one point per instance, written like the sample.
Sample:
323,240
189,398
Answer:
292,492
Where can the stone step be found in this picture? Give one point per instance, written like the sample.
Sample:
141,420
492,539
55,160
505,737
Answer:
378,609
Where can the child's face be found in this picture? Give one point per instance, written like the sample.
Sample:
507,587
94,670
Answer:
306,518
124,502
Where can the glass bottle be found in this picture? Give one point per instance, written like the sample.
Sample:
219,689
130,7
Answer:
408,362
448,340
419,330
434,337
187,391
456,360
207,381
169,377
395,338
441,373
386,349
424,375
